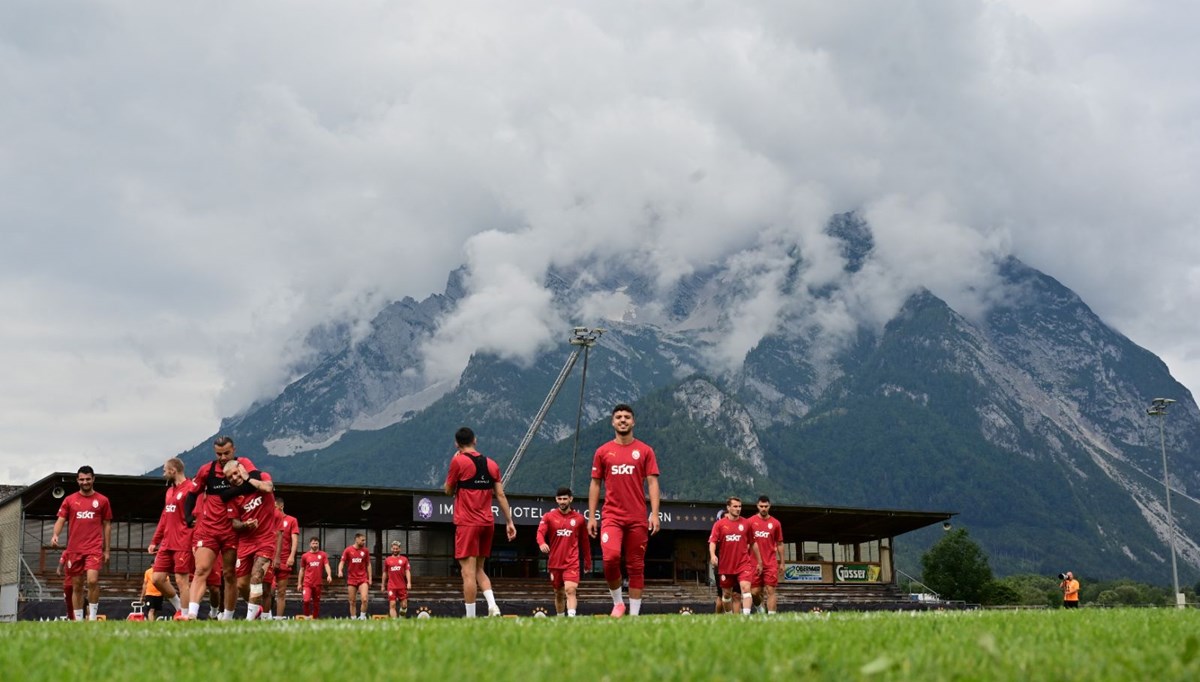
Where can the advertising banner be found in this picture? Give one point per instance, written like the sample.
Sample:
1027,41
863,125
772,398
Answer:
440,509
801,573
856,573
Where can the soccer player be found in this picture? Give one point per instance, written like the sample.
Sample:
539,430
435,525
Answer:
289,529
768,536
735,564
172,541
313,565
215,584
88,517
627,467
562,535
68,588
213,538
258,536
473,480
396,581
355,566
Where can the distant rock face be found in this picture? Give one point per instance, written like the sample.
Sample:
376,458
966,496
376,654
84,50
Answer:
1028,420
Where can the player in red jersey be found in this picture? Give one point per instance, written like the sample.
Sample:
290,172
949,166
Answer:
88,517
314,564
396,581
258,536
68,587
768,535
627,467
739,559
172,541
289,529
355,566
213,538
562,535
473,480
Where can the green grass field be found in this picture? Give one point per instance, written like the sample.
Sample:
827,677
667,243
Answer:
1089,644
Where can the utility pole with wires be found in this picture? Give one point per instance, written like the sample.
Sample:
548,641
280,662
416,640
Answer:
583,338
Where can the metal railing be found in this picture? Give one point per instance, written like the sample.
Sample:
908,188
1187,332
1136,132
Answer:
913,581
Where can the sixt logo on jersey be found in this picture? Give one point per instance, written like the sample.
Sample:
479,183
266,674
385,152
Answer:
252,504
85,514
564,532
621,469
170,509
762,534
733,537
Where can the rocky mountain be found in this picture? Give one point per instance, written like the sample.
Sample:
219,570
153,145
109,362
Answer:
1028,418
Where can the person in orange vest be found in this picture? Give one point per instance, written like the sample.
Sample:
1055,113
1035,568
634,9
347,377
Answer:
1070,590
151,596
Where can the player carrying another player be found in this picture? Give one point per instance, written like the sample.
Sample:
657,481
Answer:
88,517
627,466
172,541
473,480
355,566
258,536
735,565
314,565
768,536
561,534
396,581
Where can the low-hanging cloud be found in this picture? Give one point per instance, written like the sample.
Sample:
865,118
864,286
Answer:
194,188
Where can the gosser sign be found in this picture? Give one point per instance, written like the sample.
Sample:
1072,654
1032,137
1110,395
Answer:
856,573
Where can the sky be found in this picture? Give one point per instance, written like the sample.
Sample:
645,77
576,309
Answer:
190,187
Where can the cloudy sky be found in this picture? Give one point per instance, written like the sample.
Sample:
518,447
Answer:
190,186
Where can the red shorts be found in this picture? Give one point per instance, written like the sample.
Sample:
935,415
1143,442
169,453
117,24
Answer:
77,563
769,576
269,577
730,580
311,592
472,541
561,576
625,543
282,574
178,561
217,541
397,594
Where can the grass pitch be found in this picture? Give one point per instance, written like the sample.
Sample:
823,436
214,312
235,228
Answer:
1089,644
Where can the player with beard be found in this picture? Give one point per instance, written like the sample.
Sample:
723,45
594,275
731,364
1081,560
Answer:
561,534
213,538
627,467
172,541
738,555
314,564
396,581
355,567
768,536
88,517
258,536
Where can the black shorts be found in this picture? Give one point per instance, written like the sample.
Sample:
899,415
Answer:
1071,604
154,602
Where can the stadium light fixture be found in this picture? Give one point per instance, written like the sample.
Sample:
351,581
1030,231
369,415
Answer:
1158,408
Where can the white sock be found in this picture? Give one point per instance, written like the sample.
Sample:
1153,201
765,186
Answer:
771,613
268,616
616,595
176,603
193,610
491,599
227,614
78,614
470,610
252,611
93,609
571,613
745,611
635,606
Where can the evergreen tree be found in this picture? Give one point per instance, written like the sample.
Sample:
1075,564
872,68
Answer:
956,568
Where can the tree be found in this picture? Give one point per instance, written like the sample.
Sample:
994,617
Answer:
956,568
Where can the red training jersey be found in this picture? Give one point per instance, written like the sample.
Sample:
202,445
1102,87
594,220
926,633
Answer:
213,514
395,567
85,515
172,532
732,537
472,506
567,536
624,469
256,506
288,526
767,534
355,563
314,564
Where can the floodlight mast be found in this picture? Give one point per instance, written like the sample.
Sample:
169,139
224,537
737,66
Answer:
583,338
1158,408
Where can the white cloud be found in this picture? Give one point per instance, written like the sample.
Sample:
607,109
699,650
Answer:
192,188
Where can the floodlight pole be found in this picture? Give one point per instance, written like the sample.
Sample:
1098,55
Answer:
1158,408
